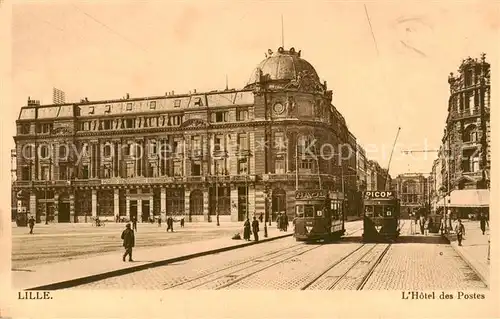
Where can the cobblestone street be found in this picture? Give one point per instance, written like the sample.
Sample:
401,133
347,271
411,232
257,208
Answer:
413,262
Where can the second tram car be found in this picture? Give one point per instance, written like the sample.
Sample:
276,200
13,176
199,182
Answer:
319,215
381,216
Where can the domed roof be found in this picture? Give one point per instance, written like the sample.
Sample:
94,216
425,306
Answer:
283,65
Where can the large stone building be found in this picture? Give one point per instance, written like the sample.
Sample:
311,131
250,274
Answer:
413,191
465,155
377,178
231,153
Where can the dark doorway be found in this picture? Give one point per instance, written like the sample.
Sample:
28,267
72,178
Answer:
133,209
64,213
145,210
278,202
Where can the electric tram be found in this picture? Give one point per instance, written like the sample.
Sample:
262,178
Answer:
319,215
381,216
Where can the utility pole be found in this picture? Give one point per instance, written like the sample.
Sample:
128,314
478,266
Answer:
390,158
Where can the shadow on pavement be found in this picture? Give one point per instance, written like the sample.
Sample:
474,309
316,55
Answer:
421,240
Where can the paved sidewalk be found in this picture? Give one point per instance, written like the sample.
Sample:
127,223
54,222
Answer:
106,265
474,249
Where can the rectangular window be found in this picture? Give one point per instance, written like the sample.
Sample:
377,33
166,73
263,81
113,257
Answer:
107,109
129,106
44,173
85,171
242,166
177,103
63,172
279,166
152,105
241,115
279,141
198,102
242,142
25,174
91,110
25,129
196,168
219,167
130,172
106,124
220,117
152,148
129,123
306,165
177,168
218,143
196,145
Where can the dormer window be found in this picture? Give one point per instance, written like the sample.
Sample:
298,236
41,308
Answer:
129,106
91,110
177,103
197,101
108,108
152,105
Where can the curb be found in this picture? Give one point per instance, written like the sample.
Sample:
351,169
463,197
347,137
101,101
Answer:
467,259
120,272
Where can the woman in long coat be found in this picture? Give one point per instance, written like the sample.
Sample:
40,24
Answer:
246,230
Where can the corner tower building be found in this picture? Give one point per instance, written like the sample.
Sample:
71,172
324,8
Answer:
231,152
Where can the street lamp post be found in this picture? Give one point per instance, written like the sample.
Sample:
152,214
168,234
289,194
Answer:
217,198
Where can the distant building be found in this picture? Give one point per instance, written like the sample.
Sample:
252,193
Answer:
58,96
377,177
413,191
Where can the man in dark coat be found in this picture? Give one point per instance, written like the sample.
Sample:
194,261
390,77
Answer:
483,221
31,223
460,231
278,222
128,242
255,228
284,218
170,224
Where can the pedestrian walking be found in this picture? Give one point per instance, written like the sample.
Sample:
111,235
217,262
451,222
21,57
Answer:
278,221
261,217
170,223
128,242
285,221
255,229
483,221
246,230
134,223
426,226
422,224
460,231
182,222
31,223
159,221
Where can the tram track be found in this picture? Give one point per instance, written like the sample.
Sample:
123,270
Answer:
223,280
251,261
350,271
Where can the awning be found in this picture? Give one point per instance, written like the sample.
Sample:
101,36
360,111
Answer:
467,198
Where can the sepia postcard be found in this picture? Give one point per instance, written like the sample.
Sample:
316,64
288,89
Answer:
249,159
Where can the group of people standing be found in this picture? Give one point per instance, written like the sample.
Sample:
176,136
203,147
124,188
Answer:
282,222
425,223
254,229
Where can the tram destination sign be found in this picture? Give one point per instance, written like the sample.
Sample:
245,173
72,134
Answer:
310,194
380,195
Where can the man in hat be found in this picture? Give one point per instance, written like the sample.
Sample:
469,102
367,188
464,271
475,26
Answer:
31,223
128,242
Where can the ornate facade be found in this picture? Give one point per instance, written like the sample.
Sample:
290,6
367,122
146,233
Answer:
413,190
231,153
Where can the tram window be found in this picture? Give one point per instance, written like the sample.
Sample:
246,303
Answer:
308,211
388,211
369,211
300,211
379,211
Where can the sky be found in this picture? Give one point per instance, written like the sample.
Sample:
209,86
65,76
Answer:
392,74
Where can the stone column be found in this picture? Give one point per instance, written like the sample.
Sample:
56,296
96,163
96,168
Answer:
139,209
56,208
151,205
33,206
251,162
94,203
163,203
251,200
234,203
116,202
205,204
72,217
187,208
127,204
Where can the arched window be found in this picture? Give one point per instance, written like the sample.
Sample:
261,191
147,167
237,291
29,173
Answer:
470,134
